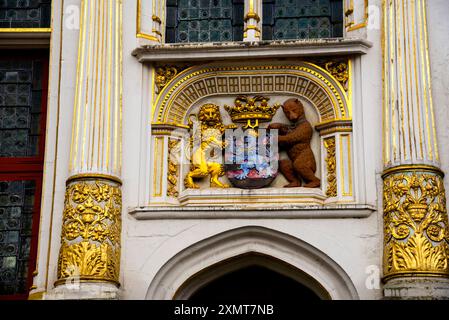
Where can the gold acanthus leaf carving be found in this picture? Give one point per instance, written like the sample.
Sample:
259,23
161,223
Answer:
416,238
173,168
165,74
340,71
331,167
90,237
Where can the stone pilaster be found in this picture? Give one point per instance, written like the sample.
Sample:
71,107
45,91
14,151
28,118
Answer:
416,232
89,258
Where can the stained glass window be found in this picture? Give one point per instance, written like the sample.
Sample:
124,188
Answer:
204,20
25,13
302,19
20,107
16,219
23,100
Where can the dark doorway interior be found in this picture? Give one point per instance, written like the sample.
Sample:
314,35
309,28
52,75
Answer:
254,283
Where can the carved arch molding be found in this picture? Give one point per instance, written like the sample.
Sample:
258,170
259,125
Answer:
307,80
203,261
326,89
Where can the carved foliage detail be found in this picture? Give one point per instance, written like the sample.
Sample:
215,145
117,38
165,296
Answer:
90,237
416,224
173,167
164,75
340,71
338,68
331,167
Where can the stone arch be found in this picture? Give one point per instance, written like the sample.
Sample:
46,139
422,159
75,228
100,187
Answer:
304,79
190,269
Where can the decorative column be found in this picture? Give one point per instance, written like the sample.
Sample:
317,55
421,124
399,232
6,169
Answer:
416,230
89,258
252,21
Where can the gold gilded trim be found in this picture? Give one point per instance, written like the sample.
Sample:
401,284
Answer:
414,275
413,168
139,33
37,296
156,18
331,167
170,124
173,168
251,27
25,30
86,176
320,77
252,15
147,36
350,25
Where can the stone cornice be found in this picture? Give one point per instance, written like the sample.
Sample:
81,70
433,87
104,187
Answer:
251,50
340,211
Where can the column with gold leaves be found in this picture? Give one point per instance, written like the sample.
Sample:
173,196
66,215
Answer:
91,226
416,233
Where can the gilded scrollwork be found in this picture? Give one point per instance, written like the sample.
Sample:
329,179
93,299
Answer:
340,71
164,75
173,168
90,237
416,224
331,167
338,68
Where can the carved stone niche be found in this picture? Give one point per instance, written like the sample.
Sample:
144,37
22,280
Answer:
202,92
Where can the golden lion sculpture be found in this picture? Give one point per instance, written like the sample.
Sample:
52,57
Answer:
203,161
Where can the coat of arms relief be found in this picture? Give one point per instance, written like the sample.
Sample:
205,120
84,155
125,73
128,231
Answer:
230,135
246,153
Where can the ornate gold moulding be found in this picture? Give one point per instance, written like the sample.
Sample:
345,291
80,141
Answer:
249,50
416,235
91,230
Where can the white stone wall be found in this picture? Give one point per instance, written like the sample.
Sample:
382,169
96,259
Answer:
354,244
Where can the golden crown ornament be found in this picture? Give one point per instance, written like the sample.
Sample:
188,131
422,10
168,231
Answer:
252,111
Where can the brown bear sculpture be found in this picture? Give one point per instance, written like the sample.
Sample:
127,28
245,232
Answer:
295,139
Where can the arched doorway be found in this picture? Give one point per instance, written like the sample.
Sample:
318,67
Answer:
254,283
254,277
210,259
